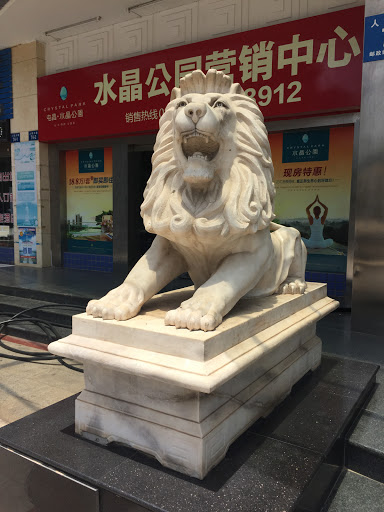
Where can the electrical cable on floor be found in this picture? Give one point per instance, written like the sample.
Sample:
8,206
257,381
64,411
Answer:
48,329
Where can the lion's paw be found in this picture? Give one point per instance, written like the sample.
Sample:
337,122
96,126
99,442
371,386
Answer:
193,320
292,285
122,303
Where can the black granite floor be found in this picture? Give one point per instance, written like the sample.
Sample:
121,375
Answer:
37,282
266,469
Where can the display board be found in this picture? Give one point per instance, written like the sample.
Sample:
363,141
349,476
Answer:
313,171
26,192
89,186
27,245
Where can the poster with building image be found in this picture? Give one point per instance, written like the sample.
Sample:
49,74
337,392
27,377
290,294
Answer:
313,170
89,185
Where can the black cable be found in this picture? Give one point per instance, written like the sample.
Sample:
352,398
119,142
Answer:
70,366
47,327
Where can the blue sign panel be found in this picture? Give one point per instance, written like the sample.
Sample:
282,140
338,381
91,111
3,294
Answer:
33,135
306,146
15,137
91,160
6,98
374,38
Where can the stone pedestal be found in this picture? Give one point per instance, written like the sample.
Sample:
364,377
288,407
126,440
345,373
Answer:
184,396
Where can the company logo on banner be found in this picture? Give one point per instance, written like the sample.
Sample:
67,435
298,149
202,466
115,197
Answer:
91,160
308,146
302,67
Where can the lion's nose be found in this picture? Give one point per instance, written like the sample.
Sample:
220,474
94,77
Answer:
195,111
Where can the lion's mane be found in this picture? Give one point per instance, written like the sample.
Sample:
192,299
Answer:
240,199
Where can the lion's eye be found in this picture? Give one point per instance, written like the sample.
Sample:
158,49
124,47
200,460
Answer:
181,104
220,104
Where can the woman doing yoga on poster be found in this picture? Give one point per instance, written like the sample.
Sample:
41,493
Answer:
316,240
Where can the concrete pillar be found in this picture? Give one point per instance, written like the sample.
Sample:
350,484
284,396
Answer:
368,271
28,63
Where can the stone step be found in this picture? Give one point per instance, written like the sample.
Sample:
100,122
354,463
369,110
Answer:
45,295
57,315
365,447
356,493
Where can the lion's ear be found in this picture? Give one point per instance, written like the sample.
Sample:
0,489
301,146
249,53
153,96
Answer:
176,93
236,89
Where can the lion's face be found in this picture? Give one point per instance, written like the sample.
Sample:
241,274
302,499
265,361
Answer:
211,168
203,128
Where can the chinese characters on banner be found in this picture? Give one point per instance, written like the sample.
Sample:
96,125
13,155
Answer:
305,66
89,200
313,172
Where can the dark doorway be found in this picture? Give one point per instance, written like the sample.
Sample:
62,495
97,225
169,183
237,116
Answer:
139,170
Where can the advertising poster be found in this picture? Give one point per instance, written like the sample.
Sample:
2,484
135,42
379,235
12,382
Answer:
89,182
27,245
313,170
25,168
6,205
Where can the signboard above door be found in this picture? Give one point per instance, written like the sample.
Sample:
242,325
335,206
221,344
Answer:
304,67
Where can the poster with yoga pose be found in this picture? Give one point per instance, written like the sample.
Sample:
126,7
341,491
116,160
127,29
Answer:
313,170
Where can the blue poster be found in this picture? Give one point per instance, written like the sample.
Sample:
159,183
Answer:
26,194
374,38
27,245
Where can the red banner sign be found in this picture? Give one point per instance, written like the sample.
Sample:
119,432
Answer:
303,67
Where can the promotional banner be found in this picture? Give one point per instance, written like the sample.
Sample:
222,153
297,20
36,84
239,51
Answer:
27,245
313,170
6,205
25,169
297,68
89,182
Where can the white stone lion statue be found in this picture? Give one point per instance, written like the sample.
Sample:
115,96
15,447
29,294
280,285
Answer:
210,199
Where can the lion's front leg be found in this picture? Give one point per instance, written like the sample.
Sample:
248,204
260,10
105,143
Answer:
237,274
152,272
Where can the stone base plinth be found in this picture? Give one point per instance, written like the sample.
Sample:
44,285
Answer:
184,396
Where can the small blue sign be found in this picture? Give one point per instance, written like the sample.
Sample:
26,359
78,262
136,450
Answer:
91,160
33,135
374,38
306,146
15,137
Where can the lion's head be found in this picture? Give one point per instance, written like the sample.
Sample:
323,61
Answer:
212,168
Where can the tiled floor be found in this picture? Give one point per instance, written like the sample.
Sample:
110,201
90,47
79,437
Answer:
28,387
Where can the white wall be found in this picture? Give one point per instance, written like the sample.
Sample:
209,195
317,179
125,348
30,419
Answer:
189,23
